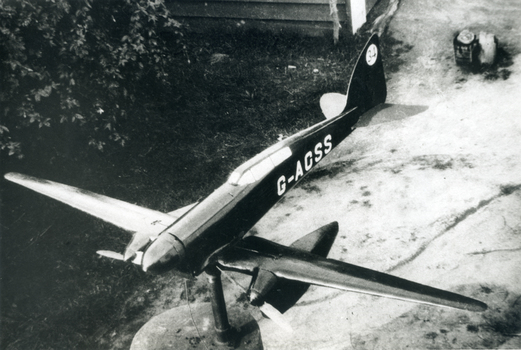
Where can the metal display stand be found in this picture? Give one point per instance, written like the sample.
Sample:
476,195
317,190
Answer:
192,326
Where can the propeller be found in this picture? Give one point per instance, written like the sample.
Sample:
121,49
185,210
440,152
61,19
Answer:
267,309
118,256
275,315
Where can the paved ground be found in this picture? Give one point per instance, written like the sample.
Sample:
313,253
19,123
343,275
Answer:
435,198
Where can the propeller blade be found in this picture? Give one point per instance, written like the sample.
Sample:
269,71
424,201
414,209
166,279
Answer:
110,254
273,314
267,309
117,256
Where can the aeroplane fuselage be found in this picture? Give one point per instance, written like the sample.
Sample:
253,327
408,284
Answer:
225,216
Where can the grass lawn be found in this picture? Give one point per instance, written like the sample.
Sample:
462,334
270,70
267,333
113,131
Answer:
239,94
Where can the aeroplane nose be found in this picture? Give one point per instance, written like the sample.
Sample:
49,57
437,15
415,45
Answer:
166,250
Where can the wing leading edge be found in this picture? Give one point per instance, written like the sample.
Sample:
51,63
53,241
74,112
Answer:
146,224
255,254
128,216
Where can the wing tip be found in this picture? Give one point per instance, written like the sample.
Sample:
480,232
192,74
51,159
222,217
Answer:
12,176
478,306
23,179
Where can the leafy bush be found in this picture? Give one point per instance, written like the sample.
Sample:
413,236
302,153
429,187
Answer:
81,66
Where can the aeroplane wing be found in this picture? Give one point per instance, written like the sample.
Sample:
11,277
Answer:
145,224
254,254
181,211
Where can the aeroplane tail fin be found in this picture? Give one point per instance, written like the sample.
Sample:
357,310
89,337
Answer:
367,87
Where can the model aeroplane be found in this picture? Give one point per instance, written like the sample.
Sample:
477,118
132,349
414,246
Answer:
210,235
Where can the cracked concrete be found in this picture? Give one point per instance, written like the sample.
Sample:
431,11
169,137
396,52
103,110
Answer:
455,221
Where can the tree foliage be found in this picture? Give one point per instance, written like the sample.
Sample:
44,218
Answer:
85,63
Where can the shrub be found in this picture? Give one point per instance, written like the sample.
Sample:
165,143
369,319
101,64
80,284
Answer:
81,65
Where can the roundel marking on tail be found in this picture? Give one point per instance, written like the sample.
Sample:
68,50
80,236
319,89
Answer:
371,54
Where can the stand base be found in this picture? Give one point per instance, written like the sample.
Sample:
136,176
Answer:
174,329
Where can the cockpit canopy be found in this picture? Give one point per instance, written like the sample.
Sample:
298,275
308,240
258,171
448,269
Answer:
259,166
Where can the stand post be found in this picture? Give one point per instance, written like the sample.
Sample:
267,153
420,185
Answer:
224,332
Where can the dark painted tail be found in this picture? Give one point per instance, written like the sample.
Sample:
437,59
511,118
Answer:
367,87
